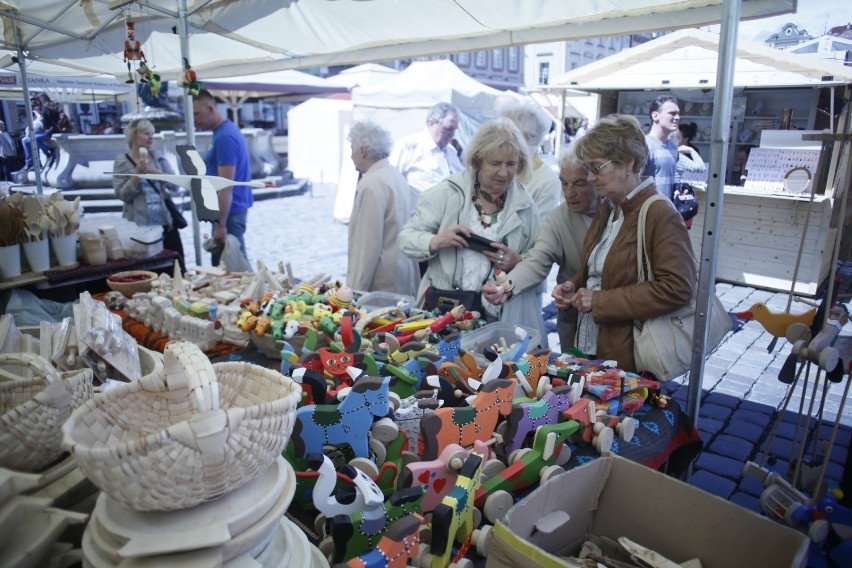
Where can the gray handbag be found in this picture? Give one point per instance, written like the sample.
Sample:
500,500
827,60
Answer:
663,345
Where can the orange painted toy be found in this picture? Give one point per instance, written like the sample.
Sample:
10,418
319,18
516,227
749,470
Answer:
465,425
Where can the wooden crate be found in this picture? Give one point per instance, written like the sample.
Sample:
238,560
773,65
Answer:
760,239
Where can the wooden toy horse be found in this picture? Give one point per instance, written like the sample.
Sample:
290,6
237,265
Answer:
360,531
528,415
439,475
399,545
464,425
364,496
346,423
453,519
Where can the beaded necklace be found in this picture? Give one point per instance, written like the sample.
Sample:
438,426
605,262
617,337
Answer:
486,219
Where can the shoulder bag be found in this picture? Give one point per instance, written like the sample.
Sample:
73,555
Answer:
178,220
683,197
663,345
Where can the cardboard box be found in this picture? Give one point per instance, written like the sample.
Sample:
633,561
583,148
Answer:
615,497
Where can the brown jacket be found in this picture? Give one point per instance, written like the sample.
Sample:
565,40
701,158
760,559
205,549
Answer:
622,299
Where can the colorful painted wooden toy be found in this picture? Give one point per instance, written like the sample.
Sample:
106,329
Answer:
464,425
346,423
527,467
438,475
358,532
399,545
453,518
364,495
527,415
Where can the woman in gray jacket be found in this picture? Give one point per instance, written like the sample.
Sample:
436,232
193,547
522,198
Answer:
485,200
144,200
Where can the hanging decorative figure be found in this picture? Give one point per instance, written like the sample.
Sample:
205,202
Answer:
190,81
132,50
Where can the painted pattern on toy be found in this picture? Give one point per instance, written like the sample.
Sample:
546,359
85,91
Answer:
534,367
452,520
438,475
367,495
346,423
360,531
400,544
464,425
529,415
411,410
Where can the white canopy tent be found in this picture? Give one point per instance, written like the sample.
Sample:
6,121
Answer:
235,37
306,33
689,58
401,103
363,75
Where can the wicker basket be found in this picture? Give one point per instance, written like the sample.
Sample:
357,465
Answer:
186,435
32,410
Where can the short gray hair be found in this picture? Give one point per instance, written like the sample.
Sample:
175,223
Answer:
440,111
372,137
137,125
533,122
568,158
496,134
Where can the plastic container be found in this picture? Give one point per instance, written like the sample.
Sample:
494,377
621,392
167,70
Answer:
377,300
486,336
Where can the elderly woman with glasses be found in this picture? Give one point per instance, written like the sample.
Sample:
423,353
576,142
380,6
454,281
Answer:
144,199
485,200
606,291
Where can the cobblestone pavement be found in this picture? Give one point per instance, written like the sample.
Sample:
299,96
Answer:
741,393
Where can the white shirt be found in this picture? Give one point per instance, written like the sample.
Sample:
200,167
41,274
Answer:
422,163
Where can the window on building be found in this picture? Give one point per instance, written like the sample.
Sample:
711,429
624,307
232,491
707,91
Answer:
463,59
543,73
497,59
482,59
513,59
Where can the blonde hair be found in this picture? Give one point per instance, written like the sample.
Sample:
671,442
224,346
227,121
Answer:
496,134
617,137
135,126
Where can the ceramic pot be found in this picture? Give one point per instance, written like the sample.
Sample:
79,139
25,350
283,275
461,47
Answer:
65,249
10,261
93,249
37,254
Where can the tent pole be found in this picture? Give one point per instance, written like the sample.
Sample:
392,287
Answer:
713,203
188,121
28,105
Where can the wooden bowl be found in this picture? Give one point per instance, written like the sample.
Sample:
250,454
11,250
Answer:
142,281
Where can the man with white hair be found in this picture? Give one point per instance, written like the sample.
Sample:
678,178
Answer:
427,157
382,206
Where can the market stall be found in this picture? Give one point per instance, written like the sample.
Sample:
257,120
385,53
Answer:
762,223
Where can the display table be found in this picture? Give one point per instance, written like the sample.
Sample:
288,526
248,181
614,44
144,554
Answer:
664,439
89,272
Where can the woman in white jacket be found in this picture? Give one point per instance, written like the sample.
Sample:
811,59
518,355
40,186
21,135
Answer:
484,200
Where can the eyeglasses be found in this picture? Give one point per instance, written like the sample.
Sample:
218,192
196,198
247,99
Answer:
594,169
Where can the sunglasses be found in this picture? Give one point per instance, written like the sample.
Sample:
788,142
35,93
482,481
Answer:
595,169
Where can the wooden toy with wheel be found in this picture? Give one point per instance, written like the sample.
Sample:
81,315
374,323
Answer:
527,466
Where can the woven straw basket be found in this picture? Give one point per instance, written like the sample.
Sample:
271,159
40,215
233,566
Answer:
186,435
32,410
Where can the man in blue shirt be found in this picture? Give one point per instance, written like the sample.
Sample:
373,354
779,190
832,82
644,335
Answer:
662,152
228,158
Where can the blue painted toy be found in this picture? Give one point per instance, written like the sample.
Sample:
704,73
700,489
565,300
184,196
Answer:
346,423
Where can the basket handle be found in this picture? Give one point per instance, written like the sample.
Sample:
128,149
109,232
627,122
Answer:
187,367
39,364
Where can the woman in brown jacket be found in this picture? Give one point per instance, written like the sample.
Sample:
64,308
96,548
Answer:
606,291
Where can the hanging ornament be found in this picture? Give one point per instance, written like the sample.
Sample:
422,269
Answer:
151,77
132,49
190,80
